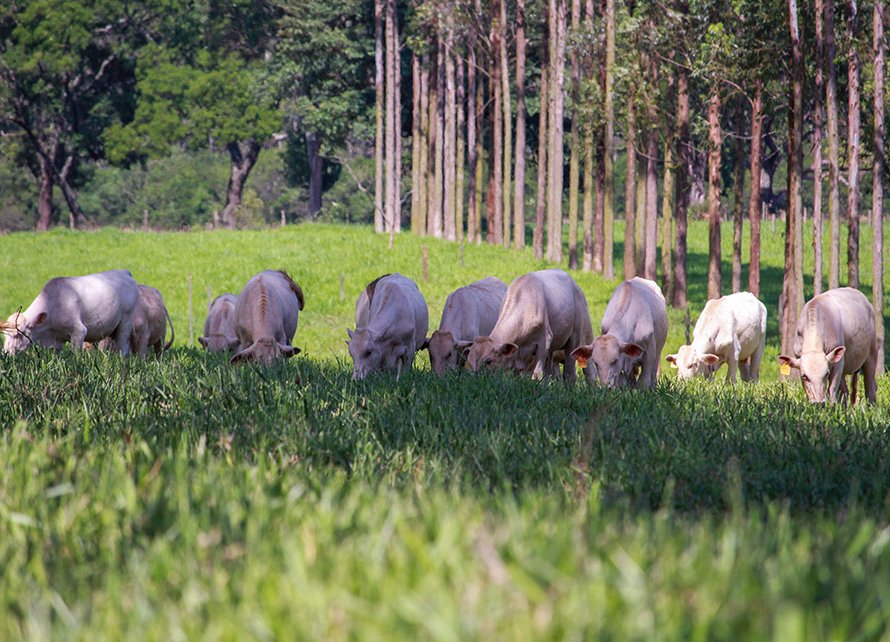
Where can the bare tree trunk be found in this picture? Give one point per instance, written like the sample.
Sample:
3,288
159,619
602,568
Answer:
715,142
667,216
379,112
519,190
448,142
45,196
479,155
423,187
460,150
755,203
418,216
877,193
792,284
496,211
556,109
640,224
630,190
507,193
678,299
738,205
437,107
834,198
817,154
244,156
588,221
397,64
649,262
575,142
541,169
472,210
609,142
853,132
391,137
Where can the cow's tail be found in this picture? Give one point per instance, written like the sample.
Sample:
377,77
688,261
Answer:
172,332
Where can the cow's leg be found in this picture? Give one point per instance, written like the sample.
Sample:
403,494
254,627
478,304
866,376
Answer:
754,362
837,385
542,355
869,375
122,335
854,384
78,336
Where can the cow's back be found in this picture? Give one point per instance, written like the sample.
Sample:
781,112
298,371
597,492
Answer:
636,311
473,310
397,309
101,300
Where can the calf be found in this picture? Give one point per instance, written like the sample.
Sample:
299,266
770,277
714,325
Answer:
76,309
219,326
469,312
544,312
835,337
731,330
391,320
266,317
634,330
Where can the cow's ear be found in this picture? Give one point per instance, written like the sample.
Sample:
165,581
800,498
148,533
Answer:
582,352
425,345
672,359
710,359
40,318
463,347
836,355
244,355
349,333
288,351
508,349
632,350
202,341
791,362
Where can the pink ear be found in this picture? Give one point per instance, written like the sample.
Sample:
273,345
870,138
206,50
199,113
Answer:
835,355
632,350
791,362
582,352
710,359
40,318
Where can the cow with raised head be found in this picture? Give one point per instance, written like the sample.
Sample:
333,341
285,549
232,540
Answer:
75,309
544,313
835,338
391,321
730,330
469,312
266,317
219,326
634,331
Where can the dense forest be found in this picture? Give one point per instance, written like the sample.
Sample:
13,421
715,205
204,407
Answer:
509,121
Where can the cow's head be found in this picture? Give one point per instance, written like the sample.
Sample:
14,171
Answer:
815,367
617,364
486,354
445,353
265,351
20,332
689,362
219,343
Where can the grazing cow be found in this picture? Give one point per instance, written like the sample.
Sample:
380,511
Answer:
76,309
835,337
633,333
544,312
219,327
391,320
731,329
266,317
470,312
150,319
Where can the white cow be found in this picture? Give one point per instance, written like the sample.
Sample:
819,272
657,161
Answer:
634,331
266,317
219,326
469,312
544,312
835,337
731,330
391,320
76,309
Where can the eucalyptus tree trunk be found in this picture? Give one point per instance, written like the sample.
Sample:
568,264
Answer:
479,155
448,143
877,193
609,145
667,216
639,230
519,169
575,143
630,190
397,161
817,151
678,298
715,142
418,213
650,254
834,198
853,133
588,221
506,104
755,203
541,196
423,197
556,110
392,183
436,105
379,112
473,198
496,198
738,205
460,150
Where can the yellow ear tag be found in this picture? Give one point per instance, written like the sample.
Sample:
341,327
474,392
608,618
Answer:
582,362
785,370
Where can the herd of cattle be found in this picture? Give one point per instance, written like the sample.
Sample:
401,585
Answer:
538,324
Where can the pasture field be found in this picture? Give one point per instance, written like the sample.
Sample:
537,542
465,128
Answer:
183,499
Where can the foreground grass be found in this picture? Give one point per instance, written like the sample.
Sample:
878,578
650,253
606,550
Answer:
182,498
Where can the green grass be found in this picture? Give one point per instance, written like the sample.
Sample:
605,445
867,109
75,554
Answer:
182,498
